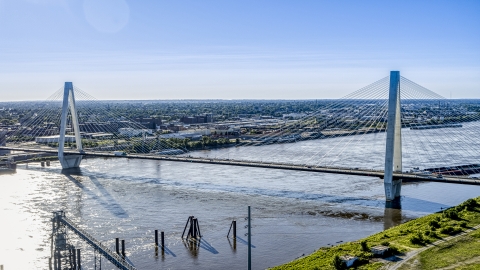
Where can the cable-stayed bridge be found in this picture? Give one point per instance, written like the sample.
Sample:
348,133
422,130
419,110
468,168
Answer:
394,129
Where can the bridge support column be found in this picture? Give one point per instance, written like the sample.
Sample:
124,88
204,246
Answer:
393,153
69,161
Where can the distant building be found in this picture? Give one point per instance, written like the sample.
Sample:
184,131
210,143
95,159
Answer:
171,135
191,136
197,119
106,127
54,139
132,132
202,132
150,122
226,130
294,115
93,127
174,127
97,136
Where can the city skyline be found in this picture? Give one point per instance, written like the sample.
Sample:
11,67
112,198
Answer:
117,49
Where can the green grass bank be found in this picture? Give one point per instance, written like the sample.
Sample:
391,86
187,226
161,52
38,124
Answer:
460,253
401,239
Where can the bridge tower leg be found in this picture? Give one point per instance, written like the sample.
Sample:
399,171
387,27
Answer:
69,161
393,153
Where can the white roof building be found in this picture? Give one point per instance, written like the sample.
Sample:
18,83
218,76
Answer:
54,139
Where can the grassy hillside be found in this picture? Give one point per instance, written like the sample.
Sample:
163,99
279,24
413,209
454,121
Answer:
401,239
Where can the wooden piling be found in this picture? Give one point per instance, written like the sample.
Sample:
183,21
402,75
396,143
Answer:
70,259
42,163
58,262
117,245
79,260
194,228
234,223
162,234
233,226
190,232
74,258
123,248
198,228
186,225
156,238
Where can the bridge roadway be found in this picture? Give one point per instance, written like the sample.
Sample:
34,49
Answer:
406,177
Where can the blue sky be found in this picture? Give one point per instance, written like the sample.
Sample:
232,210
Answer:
123,49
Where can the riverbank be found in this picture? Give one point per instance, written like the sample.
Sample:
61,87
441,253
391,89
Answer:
400,240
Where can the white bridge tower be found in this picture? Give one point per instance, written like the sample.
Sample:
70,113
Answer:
69,161
393,154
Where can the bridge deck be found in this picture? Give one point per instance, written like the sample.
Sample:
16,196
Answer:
407,177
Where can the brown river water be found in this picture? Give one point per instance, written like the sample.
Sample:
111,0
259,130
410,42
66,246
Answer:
293,213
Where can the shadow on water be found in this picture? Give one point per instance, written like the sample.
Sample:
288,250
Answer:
205,245
244,242
234,246
393,209
414,204
165,251
394,204
105,199
129,261
193,245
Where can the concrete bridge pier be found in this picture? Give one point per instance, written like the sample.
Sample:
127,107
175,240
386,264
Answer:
393,153
69,161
